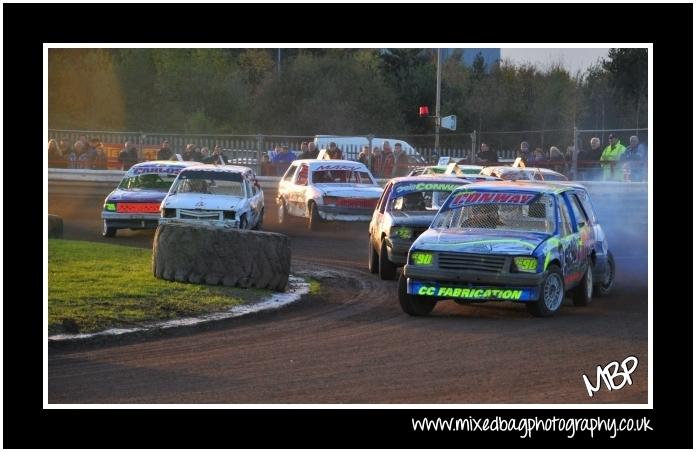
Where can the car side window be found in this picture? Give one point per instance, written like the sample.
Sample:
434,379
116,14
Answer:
587,205
302,175
566,227
287,177
578,211
385,196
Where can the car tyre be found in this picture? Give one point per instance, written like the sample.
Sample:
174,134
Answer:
372,257
108,231
551,296
314,218
259,223
414,305
582,294
282,213
603,288
387,270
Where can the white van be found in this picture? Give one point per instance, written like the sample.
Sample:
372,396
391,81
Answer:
351,146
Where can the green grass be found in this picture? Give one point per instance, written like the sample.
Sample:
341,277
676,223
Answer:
314,286
94,286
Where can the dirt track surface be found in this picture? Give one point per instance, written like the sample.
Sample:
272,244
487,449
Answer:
353,344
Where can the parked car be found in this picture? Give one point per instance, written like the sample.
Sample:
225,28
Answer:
510,241
136,201
468,172
405,210
327,190
527,173
225,196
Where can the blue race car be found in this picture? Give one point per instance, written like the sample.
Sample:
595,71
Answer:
135,203
405,210
510,241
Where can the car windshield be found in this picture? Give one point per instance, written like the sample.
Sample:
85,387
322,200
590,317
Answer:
210,183
342,177
528,212
148,181
420,197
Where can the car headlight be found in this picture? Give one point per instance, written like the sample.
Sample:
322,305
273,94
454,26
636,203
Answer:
330,201
421,258
228,215
110,206
168,213
401,232
525,264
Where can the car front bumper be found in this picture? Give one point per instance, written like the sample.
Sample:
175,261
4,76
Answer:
463,285
130,220
330,213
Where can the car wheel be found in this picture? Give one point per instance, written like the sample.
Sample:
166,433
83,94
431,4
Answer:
551,296
314,218
108,231
414,305
372,257
387,270
582,294
243,223
259,223
282,213
603,288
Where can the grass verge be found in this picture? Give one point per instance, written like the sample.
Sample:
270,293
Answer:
95,286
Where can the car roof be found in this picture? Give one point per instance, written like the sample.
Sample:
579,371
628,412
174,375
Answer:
167,163
430,178
219,168
529,186
313,163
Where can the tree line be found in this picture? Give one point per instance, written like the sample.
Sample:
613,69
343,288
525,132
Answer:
341,91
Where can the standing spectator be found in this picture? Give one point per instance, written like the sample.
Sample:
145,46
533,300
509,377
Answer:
634,156
74,156
376,166
364,156
557,160
312,151
164,153
486,155
536,157
92,153
588,160
524,151
128,156
387,161
55,156
197,156
304,151
65,149
283,155
188,152
205,153
266,167
216,158
400,161
334,152
610,157
100,159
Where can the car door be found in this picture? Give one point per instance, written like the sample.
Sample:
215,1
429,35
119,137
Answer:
297,205
573,265
285,187
377,223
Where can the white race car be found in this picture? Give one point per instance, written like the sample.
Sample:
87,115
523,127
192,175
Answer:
226,196
327,190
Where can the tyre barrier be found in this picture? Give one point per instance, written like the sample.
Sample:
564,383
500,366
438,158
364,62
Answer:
202,254
55,226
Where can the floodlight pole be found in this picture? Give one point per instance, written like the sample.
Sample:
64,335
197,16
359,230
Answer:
437,102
